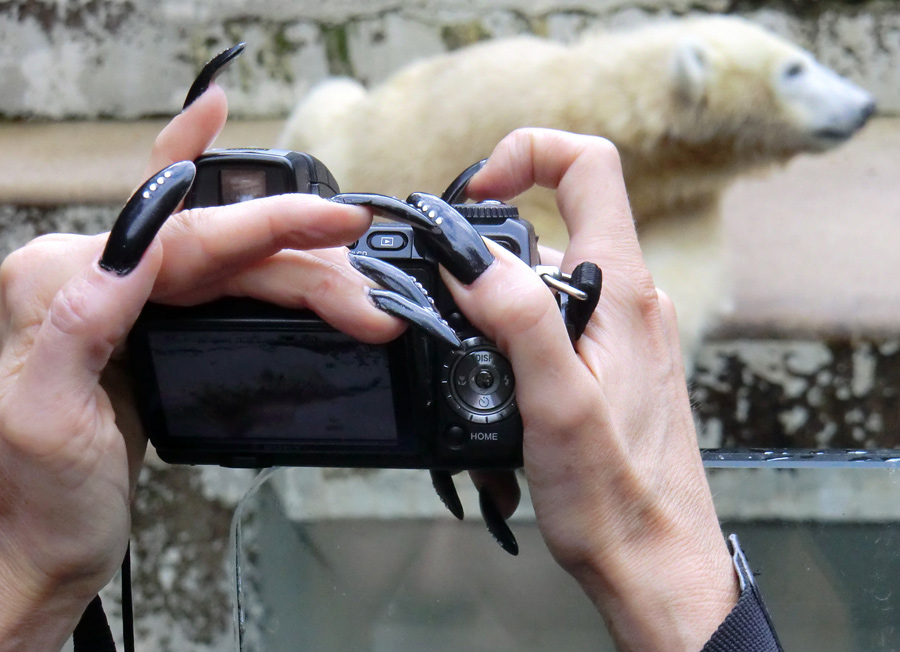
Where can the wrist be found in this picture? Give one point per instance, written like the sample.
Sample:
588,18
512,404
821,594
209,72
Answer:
663,595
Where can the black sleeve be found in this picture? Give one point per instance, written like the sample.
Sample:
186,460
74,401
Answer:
748,627
92,633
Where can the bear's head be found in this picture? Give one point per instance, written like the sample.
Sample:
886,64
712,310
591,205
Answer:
736,82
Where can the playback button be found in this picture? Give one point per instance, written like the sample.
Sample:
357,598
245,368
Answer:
387,241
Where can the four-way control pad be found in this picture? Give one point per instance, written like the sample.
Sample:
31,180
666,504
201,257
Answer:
478,382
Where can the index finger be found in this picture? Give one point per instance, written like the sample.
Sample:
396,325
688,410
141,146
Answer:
191,132
587,174
204,244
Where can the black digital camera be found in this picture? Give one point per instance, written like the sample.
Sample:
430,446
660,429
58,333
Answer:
243,383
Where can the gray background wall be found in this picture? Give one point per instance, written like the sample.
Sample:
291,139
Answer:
131,58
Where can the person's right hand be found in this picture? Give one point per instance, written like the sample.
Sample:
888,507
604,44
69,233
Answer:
69,457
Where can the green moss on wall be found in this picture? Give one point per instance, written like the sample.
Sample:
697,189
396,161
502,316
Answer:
462,34
337,49
801,8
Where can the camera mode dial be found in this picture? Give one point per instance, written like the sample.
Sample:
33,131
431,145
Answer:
478,382
487,212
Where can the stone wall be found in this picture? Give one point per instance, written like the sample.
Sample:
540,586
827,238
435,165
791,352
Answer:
89,59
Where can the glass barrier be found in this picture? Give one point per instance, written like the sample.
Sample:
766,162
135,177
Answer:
350,560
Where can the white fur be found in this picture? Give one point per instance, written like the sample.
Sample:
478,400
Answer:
690,105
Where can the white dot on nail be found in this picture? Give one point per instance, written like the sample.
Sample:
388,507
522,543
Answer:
160,181
168,175
153,186
146,194
439,220
432,214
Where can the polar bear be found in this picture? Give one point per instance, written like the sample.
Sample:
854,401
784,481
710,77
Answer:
690,104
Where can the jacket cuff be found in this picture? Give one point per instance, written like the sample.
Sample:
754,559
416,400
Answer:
748,628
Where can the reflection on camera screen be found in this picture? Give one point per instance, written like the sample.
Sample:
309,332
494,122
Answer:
242,185
274,385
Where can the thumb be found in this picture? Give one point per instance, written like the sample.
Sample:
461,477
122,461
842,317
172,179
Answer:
94,310
87,319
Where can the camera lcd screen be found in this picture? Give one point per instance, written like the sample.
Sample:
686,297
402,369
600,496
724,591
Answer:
274,385
242,184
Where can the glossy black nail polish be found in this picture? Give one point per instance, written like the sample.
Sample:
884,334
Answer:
447,235
495,523
391,278
442,482
390,207
144,214
424,318
456,191
210,71
456,243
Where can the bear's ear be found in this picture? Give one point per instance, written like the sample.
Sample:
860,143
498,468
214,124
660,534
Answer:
690,70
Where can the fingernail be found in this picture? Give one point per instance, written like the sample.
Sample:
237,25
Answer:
456,191
210,71
390,207
391,278
442,482
456,243
144,214
428,320
446,234
495,523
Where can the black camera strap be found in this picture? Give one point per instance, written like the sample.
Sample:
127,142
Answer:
576,312
93,634
579,293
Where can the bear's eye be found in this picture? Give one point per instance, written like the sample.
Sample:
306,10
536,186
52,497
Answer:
794,70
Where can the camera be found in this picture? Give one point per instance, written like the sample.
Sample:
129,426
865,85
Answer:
242,383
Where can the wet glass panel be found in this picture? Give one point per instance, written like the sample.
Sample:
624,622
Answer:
368,561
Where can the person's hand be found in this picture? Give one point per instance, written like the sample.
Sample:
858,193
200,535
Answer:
611,455
69,451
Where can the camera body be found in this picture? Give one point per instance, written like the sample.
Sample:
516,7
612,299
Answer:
242,383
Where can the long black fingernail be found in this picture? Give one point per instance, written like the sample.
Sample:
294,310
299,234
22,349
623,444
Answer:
454,241
447,235
391,278
424,318
456,191
442,482
144,214
210,71
390,207
495,523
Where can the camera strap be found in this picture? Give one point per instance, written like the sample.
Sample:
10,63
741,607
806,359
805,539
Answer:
579,293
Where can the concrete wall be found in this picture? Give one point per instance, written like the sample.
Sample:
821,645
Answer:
128,59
